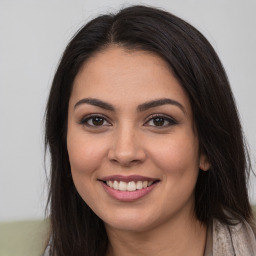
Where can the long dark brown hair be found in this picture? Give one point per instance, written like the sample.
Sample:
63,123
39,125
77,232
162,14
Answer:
220,192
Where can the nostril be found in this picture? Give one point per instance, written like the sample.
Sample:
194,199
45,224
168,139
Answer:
114,161
123,163
126,154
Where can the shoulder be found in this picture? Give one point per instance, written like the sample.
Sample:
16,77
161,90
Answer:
236,239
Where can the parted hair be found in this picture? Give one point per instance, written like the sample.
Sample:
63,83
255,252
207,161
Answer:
221,192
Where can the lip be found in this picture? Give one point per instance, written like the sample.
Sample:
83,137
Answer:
127,196
127,178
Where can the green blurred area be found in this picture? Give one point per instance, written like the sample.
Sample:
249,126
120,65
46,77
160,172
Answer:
25,238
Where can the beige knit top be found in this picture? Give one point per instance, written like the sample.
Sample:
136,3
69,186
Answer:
225,240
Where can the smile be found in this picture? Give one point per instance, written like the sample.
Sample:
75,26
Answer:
128,188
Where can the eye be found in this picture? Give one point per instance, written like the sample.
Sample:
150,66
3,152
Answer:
160,121
94,121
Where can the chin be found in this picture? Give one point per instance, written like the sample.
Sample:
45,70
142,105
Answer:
132,221
130,226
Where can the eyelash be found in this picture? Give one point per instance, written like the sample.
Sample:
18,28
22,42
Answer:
85,120
171,121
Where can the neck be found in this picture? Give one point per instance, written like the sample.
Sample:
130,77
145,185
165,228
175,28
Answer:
175,237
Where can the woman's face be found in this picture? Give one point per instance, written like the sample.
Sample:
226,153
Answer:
133,152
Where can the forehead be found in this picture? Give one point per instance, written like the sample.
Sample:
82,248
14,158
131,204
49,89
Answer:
127,76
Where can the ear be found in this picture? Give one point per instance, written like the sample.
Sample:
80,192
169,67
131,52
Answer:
204,163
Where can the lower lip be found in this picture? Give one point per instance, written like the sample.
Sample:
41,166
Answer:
128,196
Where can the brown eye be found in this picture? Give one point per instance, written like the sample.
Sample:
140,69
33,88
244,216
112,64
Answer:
158,121
97,121
94,121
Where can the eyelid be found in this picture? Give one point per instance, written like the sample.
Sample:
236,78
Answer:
84,119
171,120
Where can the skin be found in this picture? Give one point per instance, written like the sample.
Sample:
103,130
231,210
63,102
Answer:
131,142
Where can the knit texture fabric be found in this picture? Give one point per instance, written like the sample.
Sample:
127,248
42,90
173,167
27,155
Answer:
231,240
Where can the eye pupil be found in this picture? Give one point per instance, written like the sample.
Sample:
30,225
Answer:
158,121
97,121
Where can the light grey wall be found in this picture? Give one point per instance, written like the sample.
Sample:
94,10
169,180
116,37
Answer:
33,35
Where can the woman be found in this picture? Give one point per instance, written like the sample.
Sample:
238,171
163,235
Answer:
147,151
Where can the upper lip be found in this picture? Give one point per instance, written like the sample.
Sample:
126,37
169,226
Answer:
127,178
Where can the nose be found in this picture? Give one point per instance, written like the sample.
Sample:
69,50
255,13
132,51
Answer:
127,148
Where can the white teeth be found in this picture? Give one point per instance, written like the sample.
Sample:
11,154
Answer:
139,185
110,183
150,183
115,185
130,186
122,186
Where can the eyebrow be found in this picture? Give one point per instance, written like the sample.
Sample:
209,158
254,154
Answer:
159,102
95,102
142,107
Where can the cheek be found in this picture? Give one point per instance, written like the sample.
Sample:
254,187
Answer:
85,153
85,157
179,163
177,156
